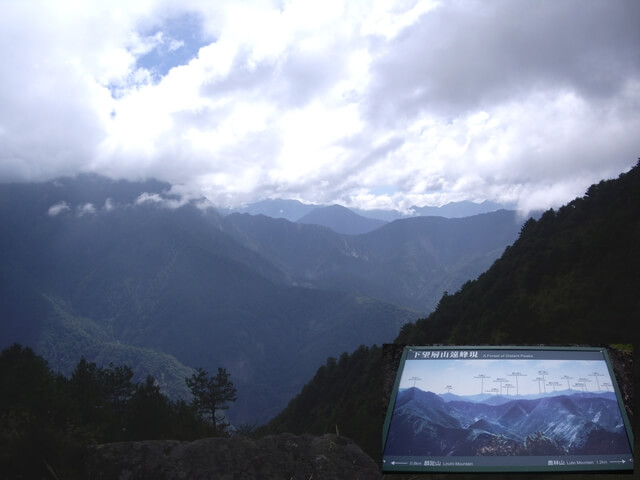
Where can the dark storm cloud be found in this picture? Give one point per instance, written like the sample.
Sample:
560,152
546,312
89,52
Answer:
467,55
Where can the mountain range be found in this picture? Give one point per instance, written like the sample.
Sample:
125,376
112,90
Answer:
497,399
124,272
407,262
341,220
294,210
570,278
424,424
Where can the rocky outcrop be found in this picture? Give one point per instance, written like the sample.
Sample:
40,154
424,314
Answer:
284,456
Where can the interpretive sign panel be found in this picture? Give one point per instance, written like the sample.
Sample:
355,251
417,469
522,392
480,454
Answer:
465,409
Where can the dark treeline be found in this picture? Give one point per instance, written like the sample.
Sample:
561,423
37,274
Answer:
571,277
47,420
339,399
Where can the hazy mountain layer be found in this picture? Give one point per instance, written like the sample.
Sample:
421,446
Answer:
407,262
341,220
294,210
495,399
126,272
108,270
291,210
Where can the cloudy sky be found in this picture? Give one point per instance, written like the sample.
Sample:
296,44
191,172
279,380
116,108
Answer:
464,376
364,103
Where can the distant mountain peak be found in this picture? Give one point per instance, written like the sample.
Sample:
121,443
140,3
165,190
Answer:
288,209
294,210
461,209
341,220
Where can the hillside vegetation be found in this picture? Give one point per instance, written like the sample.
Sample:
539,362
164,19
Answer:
47,420
570,278
165,290
124,272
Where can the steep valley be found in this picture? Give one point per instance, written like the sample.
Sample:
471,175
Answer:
123,272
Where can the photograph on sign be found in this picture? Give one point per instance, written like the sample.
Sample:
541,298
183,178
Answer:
481,409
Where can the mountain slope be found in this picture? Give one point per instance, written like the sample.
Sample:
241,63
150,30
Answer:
341,220
570,278
164,289
407,262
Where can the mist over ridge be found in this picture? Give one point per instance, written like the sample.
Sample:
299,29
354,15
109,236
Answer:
130,272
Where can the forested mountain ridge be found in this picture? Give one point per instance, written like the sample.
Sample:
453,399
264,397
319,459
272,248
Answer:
570,278
128,273
406,262
162,290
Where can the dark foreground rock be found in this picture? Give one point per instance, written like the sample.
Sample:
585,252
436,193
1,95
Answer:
282,456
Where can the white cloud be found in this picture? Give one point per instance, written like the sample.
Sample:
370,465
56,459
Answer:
58,208
86,209
372,104
157,199
175,45
109,205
